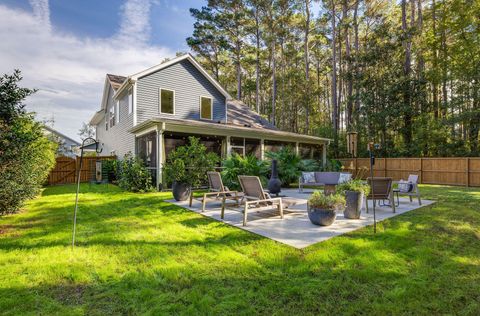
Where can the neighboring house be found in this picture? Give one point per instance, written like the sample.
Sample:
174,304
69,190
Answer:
66,146
153,111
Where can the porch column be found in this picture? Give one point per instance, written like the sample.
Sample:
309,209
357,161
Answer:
324,154
229,149
262,149
297,150
160,160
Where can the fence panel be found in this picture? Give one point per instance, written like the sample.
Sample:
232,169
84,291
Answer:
66,169
448,171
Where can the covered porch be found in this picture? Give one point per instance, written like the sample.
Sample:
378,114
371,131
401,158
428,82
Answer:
156,138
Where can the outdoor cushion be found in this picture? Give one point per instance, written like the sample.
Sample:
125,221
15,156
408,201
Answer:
308,177
405,186
344,177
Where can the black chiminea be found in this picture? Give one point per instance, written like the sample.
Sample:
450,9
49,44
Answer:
274,183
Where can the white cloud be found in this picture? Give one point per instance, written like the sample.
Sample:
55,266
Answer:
41,10
135,26
69,71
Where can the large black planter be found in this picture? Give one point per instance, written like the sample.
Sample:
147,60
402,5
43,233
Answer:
354,204
322,217
181,191
274,184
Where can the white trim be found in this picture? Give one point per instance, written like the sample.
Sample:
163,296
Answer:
117,112
147,131
130,101
134,98
200,107
160,101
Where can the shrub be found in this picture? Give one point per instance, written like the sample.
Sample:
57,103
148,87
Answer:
26,155
353,185
332,165
133,175
237,165
189,164
289,164
111,168
329,202
310,165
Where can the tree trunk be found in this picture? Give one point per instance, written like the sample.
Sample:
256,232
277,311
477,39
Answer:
257,61
407,118
349,115
334,80
307,67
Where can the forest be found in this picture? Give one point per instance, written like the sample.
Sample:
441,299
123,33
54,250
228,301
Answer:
404,74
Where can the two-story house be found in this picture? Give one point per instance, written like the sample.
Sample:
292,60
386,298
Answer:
152,112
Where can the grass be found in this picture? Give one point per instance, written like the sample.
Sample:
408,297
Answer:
137,254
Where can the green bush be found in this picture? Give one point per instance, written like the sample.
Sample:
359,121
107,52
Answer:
133,175
332,165
189,164
111,167
289,164
26,155
320,200
310,165
237,165
353,185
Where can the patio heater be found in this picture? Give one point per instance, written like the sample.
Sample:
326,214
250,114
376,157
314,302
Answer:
371,148
92,145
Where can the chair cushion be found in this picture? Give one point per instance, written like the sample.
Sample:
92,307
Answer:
308,177
405,186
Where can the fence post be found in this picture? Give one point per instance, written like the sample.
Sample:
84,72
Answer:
385,167
421,170
468,172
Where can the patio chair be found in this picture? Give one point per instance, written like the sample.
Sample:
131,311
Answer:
381,190
410,188
255,198
216,190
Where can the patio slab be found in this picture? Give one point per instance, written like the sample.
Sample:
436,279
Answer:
295,229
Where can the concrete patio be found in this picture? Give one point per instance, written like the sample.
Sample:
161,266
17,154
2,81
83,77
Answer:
295,229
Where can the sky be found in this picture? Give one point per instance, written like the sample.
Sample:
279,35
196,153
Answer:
64,48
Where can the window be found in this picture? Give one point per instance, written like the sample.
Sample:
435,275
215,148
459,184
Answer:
130,101
106,122
112,116
206,108
167,101
117,112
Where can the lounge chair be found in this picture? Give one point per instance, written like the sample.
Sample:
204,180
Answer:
216,191
381,190
255,198
410,188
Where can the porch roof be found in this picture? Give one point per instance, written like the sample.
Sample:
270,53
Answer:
222,129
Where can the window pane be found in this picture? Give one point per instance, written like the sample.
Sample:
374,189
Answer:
166,99
206,108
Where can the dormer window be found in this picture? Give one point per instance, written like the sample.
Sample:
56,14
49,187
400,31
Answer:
206,111
167,101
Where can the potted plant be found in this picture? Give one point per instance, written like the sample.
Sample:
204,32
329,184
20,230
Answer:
355,192
322,209
187,167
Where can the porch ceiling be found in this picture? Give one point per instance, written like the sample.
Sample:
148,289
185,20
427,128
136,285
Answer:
213,128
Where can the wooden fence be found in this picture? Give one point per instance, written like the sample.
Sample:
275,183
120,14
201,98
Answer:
447,171
66,169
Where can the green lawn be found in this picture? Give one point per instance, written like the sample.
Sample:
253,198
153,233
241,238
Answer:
137,254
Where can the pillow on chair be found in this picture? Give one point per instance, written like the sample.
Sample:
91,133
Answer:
308,177
405,186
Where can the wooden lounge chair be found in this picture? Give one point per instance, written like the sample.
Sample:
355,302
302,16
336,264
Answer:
381,190
255,198
216,191
411,188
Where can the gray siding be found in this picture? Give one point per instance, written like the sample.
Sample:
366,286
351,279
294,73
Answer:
117,138
189,85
